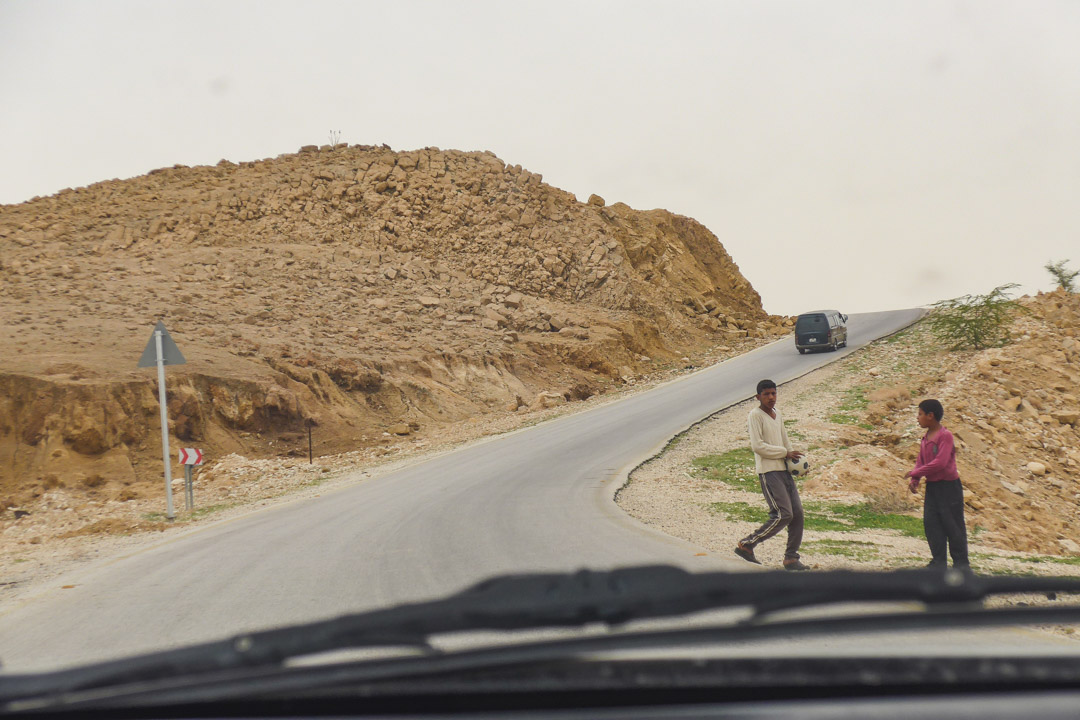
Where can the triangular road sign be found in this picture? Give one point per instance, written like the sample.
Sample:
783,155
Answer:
171,353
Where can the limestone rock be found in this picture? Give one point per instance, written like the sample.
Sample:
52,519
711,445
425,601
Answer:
547,399
1066,417
1013,488
1069,546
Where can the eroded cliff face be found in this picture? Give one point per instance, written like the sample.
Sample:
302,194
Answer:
364,290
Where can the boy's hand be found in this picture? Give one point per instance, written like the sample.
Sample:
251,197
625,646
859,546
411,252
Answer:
913,485
794,455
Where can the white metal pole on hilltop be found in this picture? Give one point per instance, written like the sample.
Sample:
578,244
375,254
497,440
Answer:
164,426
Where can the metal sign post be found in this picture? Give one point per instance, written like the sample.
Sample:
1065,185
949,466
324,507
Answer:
162,351
189,492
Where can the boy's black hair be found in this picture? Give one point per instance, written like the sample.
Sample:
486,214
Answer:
932,407
764,385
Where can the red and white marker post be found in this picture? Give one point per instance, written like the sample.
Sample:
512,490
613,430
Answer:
189,458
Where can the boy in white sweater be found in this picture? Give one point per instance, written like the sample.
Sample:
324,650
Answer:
769,441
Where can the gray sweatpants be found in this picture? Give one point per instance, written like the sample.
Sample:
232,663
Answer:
785,511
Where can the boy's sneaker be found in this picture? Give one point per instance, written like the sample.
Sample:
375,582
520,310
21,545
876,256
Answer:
794,565
746,554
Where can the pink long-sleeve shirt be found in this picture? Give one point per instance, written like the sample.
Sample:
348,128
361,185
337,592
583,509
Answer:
937,458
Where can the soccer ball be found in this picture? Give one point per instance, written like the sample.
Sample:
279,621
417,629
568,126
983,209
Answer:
798,467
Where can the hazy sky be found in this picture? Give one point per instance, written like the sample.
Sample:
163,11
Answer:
859,155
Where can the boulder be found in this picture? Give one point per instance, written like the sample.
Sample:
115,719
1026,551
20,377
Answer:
491,314
1066,417
1014,489
1069,546
546,399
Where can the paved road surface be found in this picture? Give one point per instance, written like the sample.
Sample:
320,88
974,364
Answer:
537,499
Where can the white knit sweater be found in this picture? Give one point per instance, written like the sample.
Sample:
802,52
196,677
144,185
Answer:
768,440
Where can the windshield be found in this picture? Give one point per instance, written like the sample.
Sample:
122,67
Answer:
334,308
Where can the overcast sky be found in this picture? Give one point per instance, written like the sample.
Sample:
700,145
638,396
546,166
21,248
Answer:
858,155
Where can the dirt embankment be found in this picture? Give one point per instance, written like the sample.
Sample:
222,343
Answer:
376,294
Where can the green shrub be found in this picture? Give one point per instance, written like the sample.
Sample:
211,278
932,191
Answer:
975,322
1064,279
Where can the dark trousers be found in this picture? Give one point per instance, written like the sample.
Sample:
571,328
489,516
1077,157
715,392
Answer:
943,521
785,511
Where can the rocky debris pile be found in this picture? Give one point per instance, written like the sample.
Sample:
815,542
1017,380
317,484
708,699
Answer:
1014,411
361,292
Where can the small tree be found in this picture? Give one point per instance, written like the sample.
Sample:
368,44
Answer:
975,321
1061,275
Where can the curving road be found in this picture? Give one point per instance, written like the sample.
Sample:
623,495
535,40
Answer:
537,499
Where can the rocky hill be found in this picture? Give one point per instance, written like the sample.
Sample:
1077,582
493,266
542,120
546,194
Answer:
364,291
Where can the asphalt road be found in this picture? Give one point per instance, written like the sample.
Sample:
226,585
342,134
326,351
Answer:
537,499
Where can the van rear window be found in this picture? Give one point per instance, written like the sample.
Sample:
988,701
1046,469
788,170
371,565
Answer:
811,323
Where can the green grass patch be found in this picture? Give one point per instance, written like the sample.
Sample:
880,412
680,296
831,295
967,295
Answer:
208,510
853,404
902,336
861,516
744,512
854,549
184,516
828,517
734,467
793,433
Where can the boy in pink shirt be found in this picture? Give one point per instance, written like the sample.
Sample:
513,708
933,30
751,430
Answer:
943,508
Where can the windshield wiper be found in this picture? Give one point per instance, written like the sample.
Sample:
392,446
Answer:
557,600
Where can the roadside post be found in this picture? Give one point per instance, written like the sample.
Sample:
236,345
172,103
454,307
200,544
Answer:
189,458
309,441
162,351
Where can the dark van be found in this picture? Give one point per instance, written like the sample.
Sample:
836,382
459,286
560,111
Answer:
821,329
